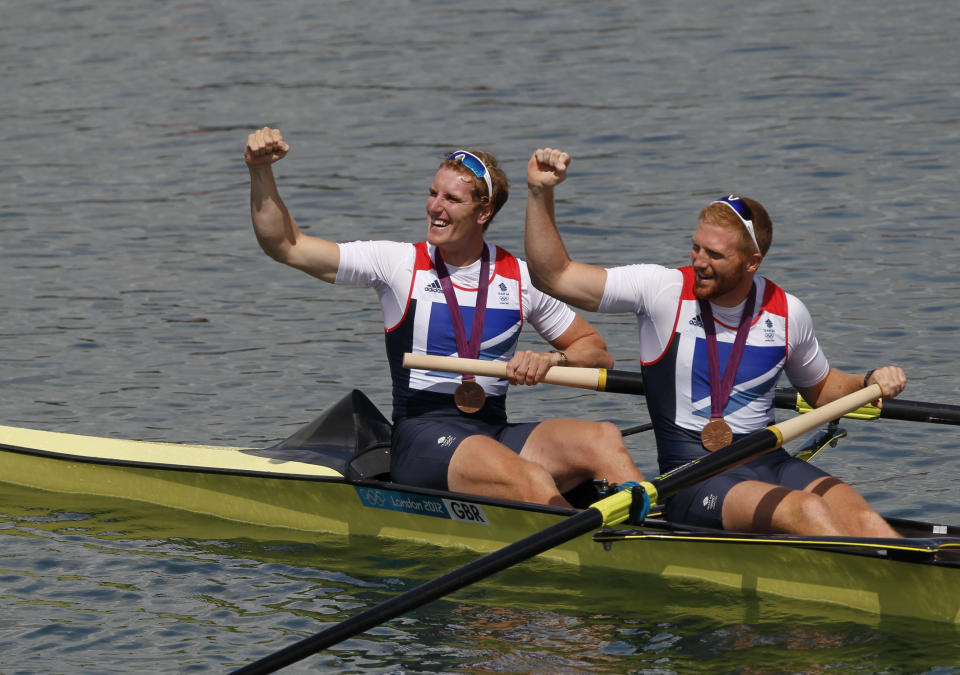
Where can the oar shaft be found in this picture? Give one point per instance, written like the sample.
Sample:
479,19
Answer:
627,382
481,568
759,442
893,408
609,511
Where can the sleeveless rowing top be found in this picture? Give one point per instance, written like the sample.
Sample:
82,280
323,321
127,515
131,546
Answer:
678,380
416,318
427,328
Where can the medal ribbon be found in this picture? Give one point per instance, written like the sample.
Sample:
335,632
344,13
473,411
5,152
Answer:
471,349
720,388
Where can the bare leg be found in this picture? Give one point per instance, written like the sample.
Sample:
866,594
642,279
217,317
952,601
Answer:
573,451
483,466
755,506
851,509
558,455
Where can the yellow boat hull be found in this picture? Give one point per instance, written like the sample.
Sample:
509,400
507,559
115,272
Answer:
918,581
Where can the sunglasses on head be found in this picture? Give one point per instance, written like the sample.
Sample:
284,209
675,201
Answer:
476,166
742,209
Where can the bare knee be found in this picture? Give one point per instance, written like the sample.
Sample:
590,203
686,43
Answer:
812,509
866,522
852,510
610,435
601,440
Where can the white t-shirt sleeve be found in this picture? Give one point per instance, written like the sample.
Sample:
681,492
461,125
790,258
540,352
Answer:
806,363
652,294
641,289
367,263
386,266
549,317
623,291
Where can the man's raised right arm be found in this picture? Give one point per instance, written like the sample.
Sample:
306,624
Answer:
551,268
276,230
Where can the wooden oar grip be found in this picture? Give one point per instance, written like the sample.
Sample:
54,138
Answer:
801,424
583,378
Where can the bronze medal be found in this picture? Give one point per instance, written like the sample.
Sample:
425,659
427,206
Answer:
717,434
469,396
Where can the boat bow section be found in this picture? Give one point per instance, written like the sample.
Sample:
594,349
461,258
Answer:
351,439
122,452
299,483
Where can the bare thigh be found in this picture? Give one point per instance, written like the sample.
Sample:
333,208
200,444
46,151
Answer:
482,465
576,450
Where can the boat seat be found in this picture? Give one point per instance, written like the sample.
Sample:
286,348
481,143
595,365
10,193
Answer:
373,463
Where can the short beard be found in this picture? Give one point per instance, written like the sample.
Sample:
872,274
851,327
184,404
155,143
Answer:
720,287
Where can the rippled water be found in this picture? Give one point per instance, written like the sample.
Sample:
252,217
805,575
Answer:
136,302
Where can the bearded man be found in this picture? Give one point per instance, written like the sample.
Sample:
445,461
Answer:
714,339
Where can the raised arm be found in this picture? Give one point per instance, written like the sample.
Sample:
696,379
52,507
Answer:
276,230
553,271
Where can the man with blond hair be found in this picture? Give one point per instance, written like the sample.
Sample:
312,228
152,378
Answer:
457,294
714,338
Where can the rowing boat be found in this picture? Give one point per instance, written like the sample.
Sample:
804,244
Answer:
332,475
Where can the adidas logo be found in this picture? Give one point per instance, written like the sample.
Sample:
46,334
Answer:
696,321
435,287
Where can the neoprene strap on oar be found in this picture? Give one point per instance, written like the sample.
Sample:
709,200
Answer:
628,382
610,511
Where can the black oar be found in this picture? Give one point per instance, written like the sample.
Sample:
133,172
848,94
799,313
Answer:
628,382
636,429
893,408
607,512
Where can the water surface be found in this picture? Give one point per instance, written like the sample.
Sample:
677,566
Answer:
136,302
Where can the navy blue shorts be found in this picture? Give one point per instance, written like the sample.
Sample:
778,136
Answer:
423,445
702,504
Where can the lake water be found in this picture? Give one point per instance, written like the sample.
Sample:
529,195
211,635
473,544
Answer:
136,302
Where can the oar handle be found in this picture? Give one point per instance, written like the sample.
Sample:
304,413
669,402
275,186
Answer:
627,382
584,378
595,379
